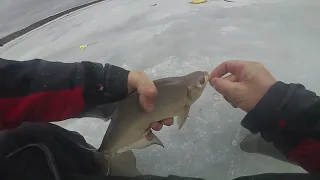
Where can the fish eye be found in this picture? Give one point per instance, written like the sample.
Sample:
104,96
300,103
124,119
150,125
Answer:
202,81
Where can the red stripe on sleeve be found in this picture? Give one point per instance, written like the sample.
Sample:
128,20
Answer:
307,155
41,107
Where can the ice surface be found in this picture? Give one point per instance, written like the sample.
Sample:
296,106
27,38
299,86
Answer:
174,38
18,14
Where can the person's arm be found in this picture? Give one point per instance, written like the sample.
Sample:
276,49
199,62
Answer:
39,90
289,116
286,114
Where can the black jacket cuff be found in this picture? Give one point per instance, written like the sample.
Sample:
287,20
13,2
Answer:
115,83
103,84
281,102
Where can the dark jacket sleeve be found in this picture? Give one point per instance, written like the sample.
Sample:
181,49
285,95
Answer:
40,90
289,116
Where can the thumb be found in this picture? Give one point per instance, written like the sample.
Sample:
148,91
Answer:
223,86
147,96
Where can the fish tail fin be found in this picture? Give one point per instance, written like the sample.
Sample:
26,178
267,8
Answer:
124,164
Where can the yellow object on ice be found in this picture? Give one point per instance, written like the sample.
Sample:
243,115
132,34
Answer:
83,46
198,1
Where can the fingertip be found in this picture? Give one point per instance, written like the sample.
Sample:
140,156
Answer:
156,126
148,91
147,88
151,90
213,81
160,126
219,85
214,73
168,122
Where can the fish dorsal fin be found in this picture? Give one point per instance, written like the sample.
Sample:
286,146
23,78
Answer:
169,81
147,139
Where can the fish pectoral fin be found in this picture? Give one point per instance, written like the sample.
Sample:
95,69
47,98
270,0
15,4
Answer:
156,140
147,139
181,119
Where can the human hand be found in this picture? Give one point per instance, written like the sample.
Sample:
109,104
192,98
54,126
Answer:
245,85
138,80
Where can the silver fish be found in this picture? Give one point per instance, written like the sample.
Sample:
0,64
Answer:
124,164
130,124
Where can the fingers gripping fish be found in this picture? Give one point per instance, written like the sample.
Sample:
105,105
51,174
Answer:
130,124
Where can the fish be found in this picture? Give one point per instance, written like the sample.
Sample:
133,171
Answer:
130,125
124,164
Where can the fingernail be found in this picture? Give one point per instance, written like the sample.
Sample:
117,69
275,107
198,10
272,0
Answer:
154,125
159,127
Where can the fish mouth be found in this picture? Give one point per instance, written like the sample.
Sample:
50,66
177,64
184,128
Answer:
207,77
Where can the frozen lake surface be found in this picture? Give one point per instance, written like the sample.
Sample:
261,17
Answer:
18,14
174,38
